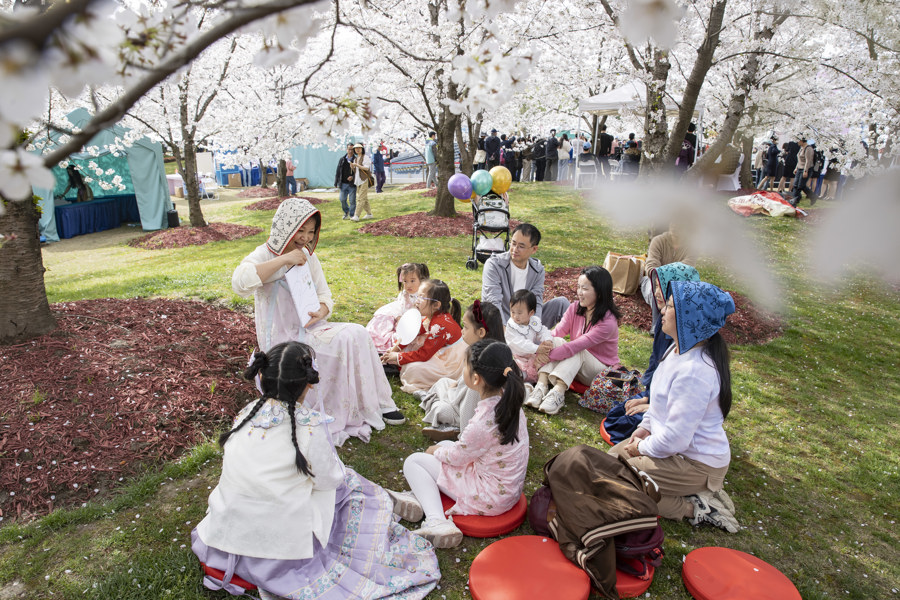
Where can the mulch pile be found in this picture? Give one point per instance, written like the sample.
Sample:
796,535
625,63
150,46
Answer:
179,237
421,225
413,186
119,384
273,203
258,192
748,324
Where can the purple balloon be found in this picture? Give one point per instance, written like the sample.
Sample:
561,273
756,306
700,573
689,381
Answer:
460,186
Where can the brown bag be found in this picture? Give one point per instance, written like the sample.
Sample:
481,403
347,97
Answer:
626,271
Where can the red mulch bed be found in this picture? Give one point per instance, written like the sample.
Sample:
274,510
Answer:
179,237
421,225
413,186
748,324
273,203
120,384
432,193
257,192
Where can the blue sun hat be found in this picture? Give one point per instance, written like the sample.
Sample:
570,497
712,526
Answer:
676,271
700,311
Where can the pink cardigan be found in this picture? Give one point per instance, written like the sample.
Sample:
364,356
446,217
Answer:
601,340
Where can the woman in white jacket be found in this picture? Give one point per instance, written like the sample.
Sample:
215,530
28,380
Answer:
362,169
563,152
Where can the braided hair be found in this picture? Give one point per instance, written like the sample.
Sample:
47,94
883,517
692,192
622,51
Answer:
493,362
285,371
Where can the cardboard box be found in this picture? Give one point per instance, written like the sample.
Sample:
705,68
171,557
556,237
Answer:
234,180
302,184
270,178
179,192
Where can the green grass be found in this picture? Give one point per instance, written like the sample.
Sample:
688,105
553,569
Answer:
815,471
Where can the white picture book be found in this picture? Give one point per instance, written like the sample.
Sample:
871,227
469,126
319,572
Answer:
303,291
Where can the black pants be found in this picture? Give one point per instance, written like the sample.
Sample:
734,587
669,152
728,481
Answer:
539,169
604,164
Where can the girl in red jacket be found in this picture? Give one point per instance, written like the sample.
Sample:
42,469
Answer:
439,350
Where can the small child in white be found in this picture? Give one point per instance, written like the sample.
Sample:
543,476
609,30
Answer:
525,332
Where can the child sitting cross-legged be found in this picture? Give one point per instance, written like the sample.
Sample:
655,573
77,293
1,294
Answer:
289,517
449,404
484,472
525,332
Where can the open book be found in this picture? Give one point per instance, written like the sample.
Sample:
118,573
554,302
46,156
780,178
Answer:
303,291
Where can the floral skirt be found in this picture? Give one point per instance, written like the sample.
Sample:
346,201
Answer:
369,555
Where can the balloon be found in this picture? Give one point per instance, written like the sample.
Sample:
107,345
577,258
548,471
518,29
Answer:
460,187
482,182
502,179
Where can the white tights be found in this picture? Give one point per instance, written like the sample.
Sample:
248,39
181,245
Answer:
421,471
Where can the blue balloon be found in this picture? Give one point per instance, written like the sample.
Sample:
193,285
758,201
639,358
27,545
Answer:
482,182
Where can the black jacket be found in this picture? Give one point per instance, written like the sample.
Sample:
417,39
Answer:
343,172
492,147
552,148
606,141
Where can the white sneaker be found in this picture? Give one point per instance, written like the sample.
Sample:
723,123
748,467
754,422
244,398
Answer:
722,498
536,397
368,216
354,218
712,512
346,217
441,532
406,506
553,402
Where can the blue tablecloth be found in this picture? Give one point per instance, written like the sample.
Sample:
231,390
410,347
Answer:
101,214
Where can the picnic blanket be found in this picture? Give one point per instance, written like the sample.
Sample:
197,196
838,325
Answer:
764,203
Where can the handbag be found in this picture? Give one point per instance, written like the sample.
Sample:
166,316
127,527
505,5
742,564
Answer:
611,386
480,156
626,271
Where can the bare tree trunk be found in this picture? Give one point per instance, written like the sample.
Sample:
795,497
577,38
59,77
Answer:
745,176
701,67
263,176
444,203
466,148
281,179
192,183
656,124
24,310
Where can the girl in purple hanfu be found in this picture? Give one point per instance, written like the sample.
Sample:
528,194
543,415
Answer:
289,517
354,390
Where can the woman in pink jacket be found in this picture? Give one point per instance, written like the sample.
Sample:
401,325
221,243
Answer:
592,325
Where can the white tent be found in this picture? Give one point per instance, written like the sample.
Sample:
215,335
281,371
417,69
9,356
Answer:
630,96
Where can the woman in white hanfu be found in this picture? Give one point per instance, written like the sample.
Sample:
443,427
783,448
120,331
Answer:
353,388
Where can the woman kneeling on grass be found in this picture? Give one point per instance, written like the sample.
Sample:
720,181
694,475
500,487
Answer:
289,517
681,441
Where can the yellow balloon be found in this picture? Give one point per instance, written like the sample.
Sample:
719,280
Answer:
502,179
466,200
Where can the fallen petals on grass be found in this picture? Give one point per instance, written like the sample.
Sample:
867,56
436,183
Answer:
420,224
117,384
748,324
179,237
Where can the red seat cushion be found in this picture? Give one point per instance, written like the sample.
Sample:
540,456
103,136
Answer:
526,566
604,434
578,387
630,586
220,575
725,574
484,527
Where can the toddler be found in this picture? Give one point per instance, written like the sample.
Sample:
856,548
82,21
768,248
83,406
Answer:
525,332
384,324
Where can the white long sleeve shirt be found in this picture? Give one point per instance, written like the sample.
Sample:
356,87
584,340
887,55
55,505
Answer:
684,416
524,340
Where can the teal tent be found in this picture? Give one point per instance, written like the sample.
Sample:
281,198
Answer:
145,196
317,164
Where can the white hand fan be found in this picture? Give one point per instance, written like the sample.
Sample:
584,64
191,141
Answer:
408,326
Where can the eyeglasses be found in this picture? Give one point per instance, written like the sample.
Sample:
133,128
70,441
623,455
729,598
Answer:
419,297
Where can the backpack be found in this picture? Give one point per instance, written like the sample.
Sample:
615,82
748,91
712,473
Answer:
637,550
687,153
818,161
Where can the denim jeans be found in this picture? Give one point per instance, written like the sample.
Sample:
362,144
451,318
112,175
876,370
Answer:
348,199
291,182
800,185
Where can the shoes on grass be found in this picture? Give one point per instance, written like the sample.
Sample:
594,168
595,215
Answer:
536,397
395,417
406,506
440,433
711,511
441,532
553,402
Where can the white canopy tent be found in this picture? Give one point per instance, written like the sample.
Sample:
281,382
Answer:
631,96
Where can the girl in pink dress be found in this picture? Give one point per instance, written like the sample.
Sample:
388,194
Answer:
439,350
384,324
485,470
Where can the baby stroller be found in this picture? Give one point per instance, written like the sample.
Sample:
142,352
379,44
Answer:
490,228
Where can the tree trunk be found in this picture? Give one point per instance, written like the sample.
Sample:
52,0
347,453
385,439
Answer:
444,203
23,297
701,67
263,176
466,148
192,183
656,124
281,179
745,176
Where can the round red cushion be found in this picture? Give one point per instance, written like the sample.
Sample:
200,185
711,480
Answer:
484,527
220,575
604,434
630,586
578,387
526,566
725,574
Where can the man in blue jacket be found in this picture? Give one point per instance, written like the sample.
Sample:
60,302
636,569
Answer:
492,149
552,157
378,166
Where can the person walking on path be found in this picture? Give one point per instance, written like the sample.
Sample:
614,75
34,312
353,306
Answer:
430,161
343,180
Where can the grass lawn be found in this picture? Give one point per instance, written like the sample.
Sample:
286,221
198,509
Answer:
814,430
